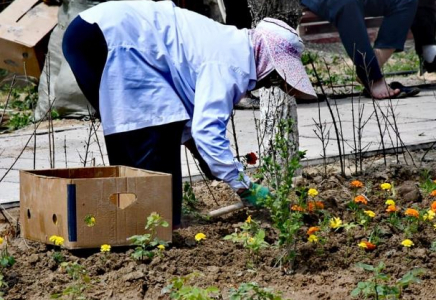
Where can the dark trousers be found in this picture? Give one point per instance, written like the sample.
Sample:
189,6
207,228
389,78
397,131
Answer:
424,25
349,18
155,148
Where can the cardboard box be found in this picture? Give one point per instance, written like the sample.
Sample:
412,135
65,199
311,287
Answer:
24,32
57,201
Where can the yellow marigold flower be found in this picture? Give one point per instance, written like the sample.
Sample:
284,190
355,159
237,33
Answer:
335,223
312,230
360,199
356,184
200,236
248,219
390,202
407,243
312,192
161,247
1,240
385,186
369,213
429,215
57,240
412,213
312,238
105,248
362,245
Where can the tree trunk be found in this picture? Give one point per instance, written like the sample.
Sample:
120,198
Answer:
275,105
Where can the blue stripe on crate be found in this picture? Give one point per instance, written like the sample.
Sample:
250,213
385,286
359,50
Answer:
71,212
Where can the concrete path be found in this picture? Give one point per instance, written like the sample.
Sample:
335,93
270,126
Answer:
415,119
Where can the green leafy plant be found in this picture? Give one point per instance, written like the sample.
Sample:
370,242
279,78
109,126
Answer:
278,170
19,120
181,289
251,236
377,286
149,240
80,278
190,202
252,291
427,184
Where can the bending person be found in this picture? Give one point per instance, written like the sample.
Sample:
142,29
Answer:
161,76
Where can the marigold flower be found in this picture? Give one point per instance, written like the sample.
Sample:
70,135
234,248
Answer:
200,236
390,202
105,248
391,209
360,199
319,204
297,208
1,240
312,230
335,223
385,186
407,243
312,192
250,240
367,245
412,213
312,238
356,184
310,206
161,247
369,213
433,206
429,215
248,220
251,158
433,193
57,240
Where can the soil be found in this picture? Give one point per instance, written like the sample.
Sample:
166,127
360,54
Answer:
320,271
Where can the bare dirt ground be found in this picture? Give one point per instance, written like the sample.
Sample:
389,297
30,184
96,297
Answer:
321,271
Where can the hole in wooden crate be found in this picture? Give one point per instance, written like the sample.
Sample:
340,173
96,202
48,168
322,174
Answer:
28,214
122,200
55,219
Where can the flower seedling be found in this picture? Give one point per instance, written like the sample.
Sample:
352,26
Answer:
377,285
58,242
252,291
181,289
199,237
105,249
80,281
90,220
149,240
251,236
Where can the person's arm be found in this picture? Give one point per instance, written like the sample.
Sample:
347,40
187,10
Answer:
218,87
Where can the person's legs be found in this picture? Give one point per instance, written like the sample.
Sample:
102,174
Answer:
154,148
85,50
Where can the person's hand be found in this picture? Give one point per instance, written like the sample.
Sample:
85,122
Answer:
255,194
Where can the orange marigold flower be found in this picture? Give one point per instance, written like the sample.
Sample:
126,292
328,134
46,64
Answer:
356,184
412,212
297,208
433,206
312,230
433,193
391,208
368,246
319,204
310,206
360,199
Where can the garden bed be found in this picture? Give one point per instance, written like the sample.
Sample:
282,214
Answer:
325,269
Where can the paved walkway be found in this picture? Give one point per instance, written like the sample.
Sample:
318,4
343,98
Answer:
415,118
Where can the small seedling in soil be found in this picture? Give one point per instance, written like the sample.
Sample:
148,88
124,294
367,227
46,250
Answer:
81,281
6,261
149,240
252,238
58,242
377,288
180,289
190,202
252,291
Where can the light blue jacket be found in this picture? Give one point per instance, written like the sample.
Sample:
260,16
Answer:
167,64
